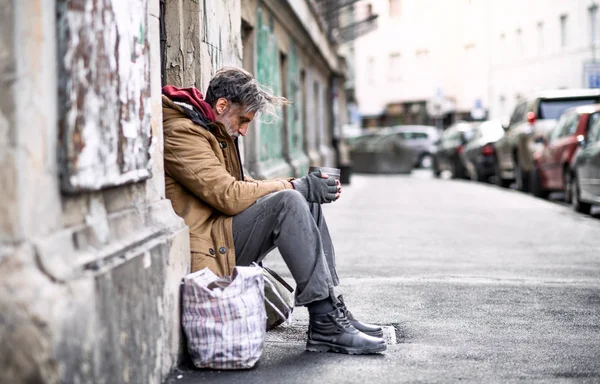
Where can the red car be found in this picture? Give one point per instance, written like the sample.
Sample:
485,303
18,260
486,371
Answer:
551,162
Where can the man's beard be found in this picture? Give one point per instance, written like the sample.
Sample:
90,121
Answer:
234,135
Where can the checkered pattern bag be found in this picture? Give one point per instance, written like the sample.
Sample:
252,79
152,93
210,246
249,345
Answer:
224,318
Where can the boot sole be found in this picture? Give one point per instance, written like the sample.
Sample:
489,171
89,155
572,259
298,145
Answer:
375,334
320,346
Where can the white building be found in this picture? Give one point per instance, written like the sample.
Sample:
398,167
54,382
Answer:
469,53
539,44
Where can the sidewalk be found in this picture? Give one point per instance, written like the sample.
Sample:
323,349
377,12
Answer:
479,283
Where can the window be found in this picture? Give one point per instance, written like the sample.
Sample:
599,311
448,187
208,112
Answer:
556,133
593,134
540,36
371,69
518,114
410,135
394,70
571,126
519,36
553,108
563,30
395,8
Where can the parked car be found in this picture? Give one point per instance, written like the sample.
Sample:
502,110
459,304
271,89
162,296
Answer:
450,147
395,149
478,155
585,169
530,120
552,161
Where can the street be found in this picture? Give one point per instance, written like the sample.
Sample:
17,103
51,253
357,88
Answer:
480,283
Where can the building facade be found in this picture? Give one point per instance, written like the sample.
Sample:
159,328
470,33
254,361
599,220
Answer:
437,62
91,252
538,46
423,63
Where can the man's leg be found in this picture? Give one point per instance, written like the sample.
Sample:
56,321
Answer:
317,213
284,220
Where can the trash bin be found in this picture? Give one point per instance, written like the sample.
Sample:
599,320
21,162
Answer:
345,173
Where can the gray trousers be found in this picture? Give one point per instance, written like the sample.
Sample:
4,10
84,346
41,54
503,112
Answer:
285,220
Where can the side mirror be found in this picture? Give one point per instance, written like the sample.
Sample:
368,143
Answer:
581,141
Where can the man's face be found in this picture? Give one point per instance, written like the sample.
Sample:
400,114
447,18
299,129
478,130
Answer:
234,118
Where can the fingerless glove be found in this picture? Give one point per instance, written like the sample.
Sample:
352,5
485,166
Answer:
316,189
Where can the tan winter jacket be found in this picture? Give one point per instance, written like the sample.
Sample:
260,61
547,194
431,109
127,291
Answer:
203,181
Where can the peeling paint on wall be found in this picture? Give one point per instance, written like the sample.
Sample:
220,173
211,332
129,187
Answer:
268,72
104,89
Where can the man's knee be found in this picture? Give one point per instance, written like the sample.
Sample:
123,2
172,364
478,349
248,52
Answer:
290,199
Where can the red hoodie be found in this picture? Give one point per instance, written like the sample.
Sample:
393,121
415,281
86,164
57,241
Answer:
190,96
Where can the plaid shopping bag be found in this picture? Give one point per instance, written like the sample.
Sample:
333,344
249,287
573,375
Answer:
224,318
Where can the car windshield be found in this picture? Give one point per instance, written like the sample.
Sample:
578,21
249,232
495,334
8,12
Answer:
363,142
378,143
359,140
552,109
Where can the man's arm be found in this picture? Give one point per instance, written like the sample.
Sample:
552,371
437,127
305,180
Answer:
248,178
190,160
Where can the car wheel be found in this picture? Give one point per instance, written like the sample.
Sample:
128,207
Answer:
535,186
503,183
479,176
426,161
568,188
577,204
435,168
454,171
521,178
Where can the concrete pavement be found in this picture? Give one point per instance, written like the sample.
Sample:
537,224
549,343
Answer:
480,284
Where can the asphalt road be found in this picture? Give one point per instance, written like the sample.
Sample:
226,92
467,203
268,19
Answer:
480,284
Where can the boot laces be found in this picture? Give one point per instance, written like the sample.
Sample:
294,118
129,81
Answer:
345,310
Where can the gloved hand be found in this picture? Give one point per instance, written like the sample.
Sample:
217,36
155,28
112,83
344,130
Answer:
316,189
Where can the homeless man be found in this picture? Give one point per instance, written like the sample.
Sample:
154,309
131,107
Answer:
235,220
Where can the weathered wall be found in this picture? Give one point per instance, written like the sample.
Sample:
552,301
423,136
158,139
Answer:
286,58
89,282
8,177
105,93
202,36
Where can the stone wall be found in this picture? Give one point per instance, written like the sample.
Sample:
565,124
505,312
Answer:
89,276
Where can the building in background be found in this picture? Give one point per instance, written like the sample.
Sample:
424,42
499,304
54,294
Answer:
539,45
425,64
435,62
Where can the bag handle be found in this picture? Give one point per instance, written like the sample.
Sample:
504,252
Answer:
278,278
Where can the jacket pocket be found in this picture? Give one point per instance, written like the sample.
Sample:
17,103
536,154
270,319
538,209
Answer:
204,255
203,245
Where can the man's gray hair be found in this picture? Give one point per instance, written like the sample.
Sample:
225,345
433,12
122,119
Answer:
238,86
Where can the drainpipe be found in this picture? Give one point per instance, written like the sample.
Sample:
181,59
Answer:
593,12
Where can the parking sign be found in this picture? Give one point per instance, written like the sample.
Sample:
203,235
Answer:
591,72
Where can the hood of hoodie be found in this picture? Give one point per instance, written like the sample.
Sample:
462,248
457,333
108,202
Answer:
190,96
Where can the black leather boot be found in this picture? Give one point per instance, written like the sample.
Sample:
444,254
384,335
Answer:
332,332
369,329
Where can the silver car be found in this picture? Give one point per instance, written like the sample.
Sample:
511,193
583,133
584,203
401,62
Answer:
396,149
